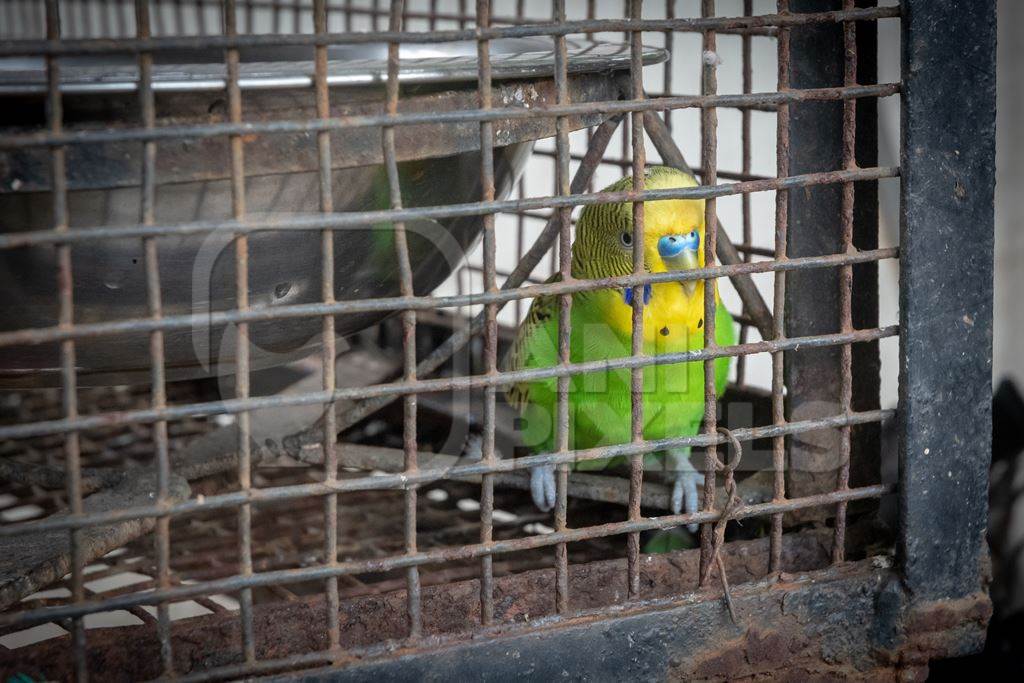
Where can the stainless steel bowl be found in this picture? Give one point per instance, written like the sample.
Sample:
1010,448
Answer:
439,164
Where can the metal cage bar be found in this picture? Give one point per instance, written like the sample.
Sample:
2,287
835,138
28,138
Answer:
329,351
846,280
241,334
410,447
69,389
779,314
159,390
564,311
636,398
709,163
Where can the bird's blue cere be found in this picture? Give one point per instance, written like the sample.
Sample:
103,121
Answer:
671,246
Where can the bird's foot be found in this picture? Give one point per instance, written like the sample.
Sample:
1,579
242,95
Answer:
685,495
473,447
542,486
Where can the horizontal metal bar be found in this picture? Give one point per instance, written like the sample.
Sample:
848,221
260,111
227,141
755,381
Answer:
15,48
364,219
426,476
626,163
55,333
454,16
436,555
609,107
239,405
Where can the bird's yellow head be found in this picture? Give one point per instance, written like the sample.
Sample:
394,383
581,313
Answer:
673,231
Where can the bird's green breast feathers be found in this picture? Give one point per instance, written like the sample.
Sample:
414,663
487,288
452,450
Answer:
599,401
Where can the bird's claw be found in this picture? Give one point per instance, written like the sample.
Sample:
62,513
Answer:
685,495
542,486
473,448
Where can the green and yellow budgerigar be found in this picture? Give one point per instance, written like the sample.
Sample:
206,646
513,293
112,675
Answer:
599,402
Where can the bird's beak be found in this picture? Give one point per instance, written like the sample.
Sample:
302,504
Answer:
679,252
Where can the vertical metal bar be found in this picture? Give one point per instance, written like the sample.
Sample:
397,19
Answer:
87,31
709,164
520,235
179,18
156,338
65,294
745,120
636,462
564,313
242,332
591,13
297,16
328,351
106,25
415,614
668,67
846,279
483,20
250,17
159,21
947,188
779,303
201,28
626,38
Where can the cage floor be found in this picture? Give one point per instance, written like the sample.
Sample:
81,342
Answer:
290,534
285,535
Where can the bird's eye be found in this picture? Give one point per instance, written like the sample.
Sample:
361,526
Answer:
626,238
694,235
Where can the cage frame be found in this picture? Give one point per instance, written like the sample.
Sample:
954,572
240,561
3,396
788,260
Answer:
932,603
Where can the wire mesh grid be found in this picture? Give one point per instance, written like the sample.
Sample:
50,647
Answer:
322,531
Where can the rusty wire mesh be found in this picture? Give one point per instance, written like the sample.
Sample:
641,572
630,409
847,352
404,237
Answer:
322,534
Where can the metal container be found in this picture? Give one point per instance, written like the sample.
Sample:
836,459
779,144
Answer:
438,165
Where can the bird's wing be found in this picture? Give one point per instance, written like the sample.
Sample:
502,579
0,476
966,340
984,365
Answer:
531,347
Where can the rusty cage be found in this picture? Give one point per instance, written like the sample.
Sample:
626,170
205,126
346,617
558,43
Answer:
210,209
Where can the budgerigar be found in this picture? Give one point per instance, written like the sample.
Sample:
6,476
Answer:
599,402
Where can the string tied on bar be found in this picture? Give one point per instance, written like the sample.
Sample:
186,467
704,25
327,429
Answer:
732,507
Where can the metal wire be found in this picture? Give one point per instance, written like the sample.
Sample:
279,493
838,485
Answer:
69,392
483,14
156,338
564,312
15,48
408,561
779,314
636,397
164,31
329,349
745,151
846,280
709,162
241,334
